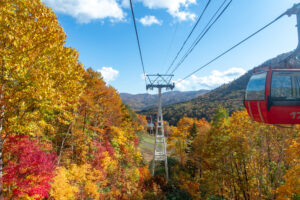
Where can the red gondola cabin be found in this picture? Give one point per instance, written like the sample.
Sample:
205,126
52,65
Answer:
273,96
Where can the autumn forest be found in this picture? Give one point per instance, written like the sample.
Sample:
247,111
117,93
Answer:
66,135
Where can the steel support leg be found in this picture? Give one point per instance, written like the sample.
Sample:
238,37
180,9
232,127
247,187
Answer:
160,149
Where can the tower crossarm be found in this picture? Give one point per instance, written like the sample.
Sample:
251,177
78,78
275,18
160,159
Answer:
159,81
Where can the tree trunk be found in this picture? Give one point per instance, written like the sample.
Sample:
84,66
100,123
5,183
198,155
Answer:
269,161
2,138
246,179
61,150
1,170
84,121
233,181
62,144
241,182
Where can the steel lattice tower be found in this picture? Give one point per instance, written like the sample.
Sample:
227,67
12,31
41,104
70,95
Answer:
160,81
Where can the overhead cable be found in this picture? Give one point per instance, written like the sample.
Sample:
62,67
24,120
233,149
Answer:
233,47
170,45
138,40
191,32
203,33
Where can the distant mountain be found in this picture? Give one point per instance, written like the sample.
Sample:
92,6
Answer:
140,102
229,95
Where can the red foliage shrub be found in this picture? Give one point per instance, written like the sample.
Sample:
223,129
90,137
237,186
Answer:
29,167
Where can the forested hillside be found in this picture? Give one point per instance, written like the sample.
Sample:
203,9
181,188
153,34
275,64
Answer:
140,102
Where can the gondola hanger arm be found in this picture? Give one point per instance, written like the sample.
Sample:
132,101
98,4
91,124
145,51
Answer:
295,10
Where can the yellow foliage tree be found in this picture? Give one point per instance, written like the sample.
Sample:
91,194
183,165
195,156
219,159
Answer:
291,188
40,78
77,182
61,188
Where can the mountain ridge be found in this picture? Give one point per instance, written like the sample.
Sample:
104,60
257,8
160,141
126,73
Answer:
145,101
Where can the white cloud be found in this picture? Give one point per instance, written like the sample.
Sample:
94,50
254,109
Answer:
86,10
183,16
215,79
174,7
108,73
149,20
125,3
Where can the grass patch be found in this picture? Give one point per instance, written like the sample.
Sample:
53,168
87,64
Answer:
148,139
146,146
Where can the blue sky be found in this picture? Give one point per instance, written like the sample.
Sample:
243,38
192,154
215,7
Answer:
103,33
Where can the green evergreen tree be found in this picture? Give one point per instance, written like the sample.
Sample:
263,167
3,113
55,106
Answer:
220,115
